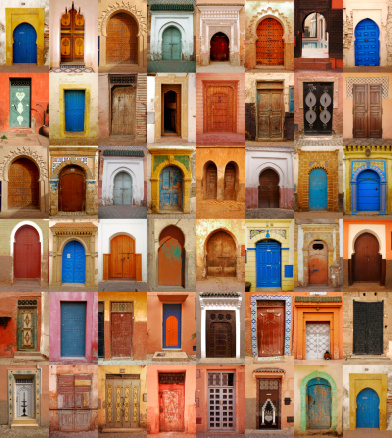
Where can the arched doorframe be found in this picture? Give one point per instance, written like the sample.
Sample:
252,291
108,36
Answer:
178,27
237,178
329,257
378,38
272,166
299,22
204,179
231,44
129,172
87,253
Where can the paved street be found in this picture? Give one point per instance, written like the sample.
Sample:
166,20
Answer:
318,215
171,66
7,432
268,213
249,433
122,212
22,139
367,433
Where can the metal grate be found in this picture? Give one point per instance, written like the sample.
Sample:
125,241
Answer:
19,82
122,307
27,302
171,378
23,379
114,79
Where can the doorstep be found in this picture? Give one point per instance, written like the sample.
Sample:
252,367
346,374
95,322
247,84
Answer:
170,356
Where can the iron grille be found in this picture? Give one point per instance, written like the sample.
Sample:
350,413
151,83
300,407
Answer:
27,302
117,79
123,376
122,307
171,378
23,379
19,82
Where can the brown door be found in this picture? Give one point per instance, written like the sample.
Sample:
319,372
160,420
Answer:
23,185
268,414
171,109
367,110
122,257
221,255
122,329
230,179
268,189
366,259
122,39
171,402
270,111
211,181
219,50
269,44
123,110
27,253
220,333
318,262
72,36
270,328
72,189
219,108
171,257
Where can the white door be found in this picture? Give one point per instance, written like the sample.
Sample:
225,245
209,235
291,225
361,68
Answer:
24,399
317,340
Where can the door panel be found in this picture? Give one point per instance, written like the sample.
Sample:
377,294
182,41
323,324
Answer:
219,47
317,340
20,105
368,413
25,47
123,111
366,260
318,263
122,190
172,325
74,263
74,107
23,185
171,257
270,328
122,257
318,392
220,108
73,329
171,44
170,188
318,108
27,328
211,181
368,191
269,43
220,333
269,404
318,190
221,255
221,401
268,268
171,402
268,196
122,39
367,45
368,327
72,189
270,112
367,111
122,334
27,253
229,182
72,36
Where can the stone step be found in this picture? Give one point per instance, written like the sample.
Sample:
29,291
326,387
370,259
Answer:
28,356
170,356
309,64
369,357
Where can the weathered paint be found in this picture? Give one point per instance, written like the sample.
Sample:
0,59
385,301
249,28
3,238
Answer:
368,414
318,395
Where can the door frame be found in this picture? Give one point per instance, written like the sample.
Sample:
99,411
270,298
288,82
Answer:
260,306
118,80
355,40
179,326
268,377
113,177
268,86
133,328
281,276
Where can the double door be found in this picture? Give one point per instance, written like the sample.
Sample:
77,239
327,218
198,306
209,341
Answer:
72,36
221,401
122,257
318,108
367,111
368,327
270,113
27,328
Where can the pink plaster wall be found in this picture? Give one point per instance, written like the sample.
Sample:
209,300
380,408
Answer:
286,197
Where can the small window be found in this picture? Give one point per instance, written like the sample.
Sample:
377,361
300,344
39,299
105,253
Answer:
318,246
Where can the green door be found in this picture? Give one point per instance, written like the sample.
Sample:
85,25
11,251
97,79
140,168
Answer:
27,328
171,43
19,104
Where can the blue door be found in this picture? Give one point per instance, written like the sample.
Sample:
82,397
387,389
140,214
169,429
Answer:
170,188
367,44
268,264
171,326
318,397
368,414
318,190
368,191
74,263
74,110
73,329
25,46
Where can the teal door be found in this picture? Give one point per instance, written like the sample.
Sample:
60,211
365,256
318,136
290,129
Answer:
20,105
318,190
73,328
122,190
171,43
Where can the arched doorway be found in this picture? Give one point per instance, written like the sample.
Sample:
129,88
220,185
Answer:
221,257
122,189
318,404
73,263
25,45
269,43
122,39
315,42
171,43
23,184
318,262
318,190
230,182
170,188
366,259
211,180
27,253
122,257
72,36
171,113
72,189
219,47
269,193
367,44
368,413
268,260
368,191
123,110
171,257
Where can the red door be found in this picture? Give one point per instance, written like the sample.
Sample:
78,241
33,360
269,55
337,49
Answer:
270,328
171,402
219,47
171,257
122,329
27,253
72,189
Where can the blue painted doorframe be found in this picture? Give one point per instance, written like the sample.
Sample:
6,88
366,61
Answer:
73,329
318,190
368,191
74,107
368,413
367,44
319,401
171,310
25,46
74,263
268,260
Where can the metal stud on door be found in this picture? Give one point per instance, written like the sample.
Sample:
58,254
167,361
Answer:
72,36
269,43
367,44
20,109
221,401
23,184
24,46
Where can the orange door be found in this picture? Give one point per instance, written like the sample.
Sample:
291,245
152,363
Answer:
171,257
269,44
122,257
171,402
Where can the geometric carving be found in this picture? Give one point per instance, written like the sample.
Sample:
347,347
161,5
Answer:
23,152
121,6
288,35
384,81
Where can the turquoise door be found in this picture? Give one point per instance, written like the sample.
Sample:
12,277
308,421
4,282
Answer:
74,110
25,46
73,329
368,414
170,188
122,189
19,105
318,193
319,400
367,44
171,43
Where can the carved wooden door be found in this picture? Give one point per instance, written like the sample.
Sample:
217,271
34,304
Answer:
268,196
171,402
366,260
220,333
367,111
171,257
219,50
221,401
72,36
211,181
122,257
219,108
318,108
27,328
122,329
72,189
221,255
317,340
27,253
269,404
368,327
229,182
122,39
269,43
123,110
270,112
23,184
318,263
271,322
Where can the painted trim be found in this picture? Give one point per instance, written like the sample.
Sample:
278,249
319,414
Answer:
31,224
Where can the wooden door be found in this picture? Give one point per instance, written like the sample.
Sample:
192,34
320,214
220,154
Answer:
221,401
317,340
268,191
73,263
171,44
211,181
268,403
220,333
368,327
366,260
27,328
72,36
72,189
23,184
270,113
122,257
74,110
221,255
122,329
171,257
318,190
27,253
367,44
123,110
367,111
170,188
220,108
368,194
269,43
20,103
171,402
229,188
318,262
73,328
122,189
318,108
271,326
268,269
172,325
24,397
122,39
368,412
219,47
101,329
24,44
318,406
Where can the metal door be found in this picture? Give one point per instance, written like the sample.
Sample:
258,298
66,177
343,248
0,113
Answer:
171,402
123,111
74,263
72,189
221,255
219,47
268,264
368,327
101,329
366,260
122,39
269,43
27,328
318,108
74,107
367,111
171,257
20,103
122,257
122,329
269,404
368,412
73,328
367,44
318,190
122,189
211,181
220,109
268,196
23,184
368,191
271,322
24,397
221,401
25,46
171,43
172,326
317,340
72,36
27,253
318,406
170,188
318,262
270,112
220,333
229,182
